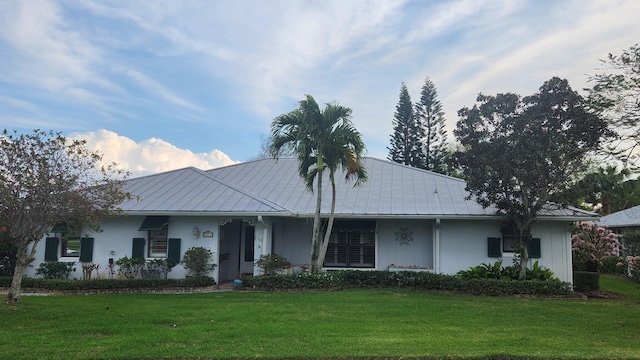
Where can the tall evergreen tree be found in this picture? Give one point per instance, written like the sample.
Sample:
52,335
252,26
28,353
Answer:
406,140
430,117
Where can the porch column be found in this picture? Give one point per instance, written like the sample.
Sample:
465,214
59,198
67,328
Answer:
436,246
259,245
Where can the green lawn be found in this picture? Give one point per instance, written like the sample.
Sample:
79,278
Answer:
351,323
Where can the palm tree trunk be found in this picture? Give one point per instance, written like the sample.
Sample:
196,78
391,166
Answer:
315,239
327,235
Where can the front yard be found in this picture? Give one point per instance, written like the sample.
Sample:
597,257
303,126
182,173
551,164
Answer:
393,323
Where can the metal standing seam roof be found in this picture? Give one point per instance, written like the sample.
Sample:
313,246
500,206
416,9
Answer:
273,187
391,190
191,190
623,218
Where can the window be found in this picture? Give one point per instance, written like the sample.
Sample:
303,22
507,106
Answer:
249,241
158,243
352,245
70,247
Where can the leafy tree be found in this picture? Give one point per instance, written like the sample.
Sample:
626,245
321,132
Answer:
616,96
430,118
518,152
591,244
406,140
46,179
322,140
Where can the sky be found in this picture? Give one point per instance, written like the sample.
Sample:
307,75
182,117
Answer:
159,85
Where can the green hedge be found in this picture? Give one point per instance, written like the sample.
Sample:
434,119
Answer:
421,280
586,280
110,284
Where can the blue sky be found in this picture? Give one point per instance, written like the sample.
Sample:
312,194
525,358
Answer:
157,85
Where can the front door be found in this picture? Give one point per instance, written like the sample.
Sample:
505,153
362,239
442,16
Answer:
247,240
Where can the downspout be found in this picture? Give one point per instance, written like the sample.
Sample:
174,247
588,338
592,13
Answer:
436,248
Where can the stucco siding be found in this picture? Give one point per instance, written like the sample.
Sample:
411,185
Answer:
392,250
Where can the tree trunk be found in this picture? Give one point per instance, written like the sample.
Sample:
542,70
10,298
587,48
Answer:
21,265
327,235
524,259
315,239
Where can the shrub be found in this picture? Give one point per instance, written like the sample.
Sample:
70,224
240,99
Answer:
497,271
129,268
633,267
406,279
7,256
272,264
590,244
110,284
157,268
56,270
196,261
586,280
613,265
631,242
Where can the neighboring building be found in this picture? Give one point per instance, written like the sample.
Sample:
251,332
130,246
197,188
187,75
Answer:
402,217
622,221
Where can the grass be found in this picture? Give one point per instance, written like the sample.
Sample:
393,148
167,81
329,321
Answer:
342,324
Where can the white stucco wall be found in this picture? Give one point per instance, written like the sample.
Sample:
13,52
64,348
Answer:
115,241
417,252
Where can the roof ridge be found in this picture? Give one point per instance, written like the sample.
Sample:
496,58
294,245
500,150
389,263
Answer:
240,190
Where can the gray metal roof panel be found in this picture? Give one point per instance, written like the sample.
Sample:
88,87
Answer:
189,190
623,218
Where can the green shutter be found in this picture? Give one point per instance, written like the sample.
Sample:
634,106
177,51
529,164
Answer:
51,249
494,247
534,248
174,250
138,248
86,250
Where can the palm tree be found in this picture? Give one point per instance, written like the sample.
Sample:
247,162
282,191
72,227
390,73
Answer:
320,140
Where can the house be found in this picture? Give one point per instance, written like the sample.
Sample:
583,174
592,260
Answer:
622,221
401,218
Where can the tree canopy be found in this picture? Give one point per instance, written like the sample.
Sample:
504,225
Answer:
615,95
406,140
430,118
320,139
47,179
519,151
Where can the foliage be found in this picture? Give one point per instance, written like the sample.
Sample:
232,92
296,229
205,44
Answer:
613,265
406,279
497,271
158,268
47,179
633,267
56,270
197,261
518,152
406,140
430,118
272,264
606,186
590,244
586,281
110,284
129,268
616,95
87,270
321,139
631,243
7,256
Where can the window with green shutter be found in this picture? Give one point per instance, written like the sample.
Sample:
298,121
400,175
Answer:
86,249
494,247
534,248
137,251
51,249
174,250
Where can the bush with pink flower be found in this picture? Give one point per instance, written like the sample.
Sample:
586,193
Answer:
591,244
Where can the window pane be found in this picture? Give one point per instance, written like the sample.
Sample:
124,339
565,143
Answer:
249,240
71,247
157,243
510,244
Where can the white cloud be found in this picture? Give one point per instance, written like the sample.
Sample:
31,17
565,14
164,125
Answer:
148,156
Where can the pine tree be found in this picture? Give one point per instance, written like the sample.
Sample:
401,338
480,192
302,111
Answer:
406,145
430,117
